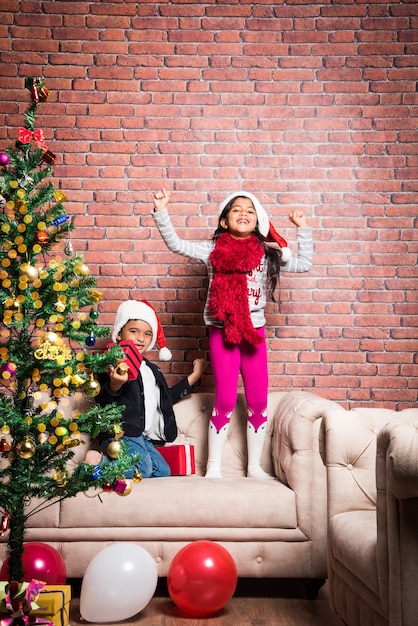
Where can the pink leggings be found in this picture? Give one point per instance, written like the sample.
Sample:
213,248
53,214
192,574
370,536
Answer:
228,360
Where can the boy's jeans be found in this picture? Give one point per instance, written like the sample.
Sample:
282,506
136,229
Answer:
151,464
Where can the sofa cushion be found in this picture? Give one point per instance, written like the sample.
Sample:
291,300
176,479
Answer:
352,542
187,501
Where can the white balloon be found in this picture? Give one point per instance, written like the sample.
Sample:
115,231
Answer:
118,583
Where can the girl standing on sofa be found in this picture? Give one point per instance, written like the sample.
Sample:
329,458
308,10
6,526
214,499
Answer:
242,269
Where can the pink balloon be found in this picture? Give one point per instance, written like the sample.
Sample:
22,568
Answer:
202,578
40,561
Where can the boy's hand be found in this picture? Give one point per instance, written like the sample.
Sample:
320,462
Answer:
199,366
116,379
160,199
298,219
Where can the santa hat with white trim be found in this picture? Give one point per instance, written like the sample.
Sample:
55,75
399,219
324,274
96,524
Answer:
144,311
264,226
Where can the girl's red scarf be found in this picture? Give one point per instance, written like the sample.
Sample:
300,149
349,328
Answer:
232,259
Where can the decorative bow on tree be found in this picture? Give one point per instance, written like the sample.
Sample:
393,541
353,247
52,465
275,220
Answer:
26,136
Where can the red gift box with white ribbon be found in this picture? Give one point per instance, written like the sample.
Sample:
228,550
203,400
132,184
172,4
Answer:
180,458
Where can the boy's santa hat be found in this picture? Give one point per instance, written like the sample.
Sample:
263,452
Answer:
264,226
144,311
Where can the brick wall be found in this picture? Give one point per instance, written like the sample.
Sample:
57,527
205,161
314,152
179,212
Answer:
310,106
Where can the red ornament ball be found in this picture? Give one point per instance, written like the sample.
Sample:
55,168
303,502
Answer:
42,237
202,578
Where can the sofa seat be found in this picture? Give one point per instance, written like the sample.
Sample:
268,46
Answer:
273,528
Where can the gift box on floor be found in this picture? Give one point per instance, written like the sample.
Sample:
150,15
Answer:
180,457
54,604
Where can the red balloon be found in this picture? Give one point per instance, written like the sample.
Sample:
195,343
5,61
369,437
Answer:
202,578
40,561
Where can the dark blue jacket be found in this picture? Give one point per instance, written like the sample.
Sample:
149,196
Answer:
131,395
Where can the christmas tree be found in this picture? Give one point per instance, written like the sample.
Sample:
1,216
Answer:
48,330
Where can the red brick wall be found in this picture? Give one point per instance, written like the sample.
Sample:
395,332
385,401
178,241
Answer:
311,106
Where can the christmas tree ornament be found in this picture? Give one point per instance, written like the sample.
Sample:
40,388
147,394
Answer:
107,487
120,485
52,338
26,448
4,158
41,237
38,90
61,478
60,220
5,521
122,368
81,269
93,315
114,449
60,306
5,446
77,380
126,491
137,476
66,380
95,295
69,250
91,388
8,370
90,340
59,195
13,305
117,431
61,431
48,157
96,472
29,271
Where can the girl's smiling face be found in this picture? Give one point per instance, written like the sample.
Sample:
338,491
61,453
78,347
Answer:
241,220
139,332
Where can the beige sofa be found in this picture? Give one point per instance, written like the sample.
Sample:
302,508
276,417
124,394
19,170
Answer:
371,457
272,528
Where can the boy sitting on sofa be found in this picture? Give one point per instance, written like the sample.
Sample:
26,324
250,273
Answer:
148,415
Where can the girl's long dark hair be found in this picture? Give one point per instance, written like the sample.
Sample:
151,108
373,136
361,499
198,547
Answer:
272,255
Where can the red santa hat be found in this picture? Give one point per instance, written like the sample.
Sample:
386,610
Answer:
144,311
264,226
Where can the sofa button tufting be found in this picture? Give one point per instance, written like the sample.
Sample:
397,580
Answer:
259,559
349,466
158,559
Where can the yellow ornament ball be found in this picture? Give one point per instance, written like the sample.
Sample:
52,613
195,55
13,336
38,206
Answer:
26,448
114,449
92,387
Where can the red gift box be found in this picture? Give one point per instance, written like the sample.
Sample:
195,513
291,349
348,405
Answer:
132,358
180,457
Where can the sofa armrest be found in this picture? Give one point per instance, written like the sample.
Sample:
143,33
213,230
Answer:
397,514
297,462
399,444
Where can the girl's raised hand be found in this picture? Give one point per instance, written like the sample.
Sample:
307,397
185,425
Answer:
298,218
160,199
